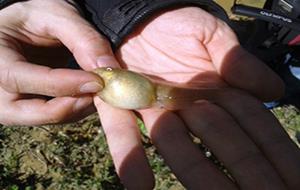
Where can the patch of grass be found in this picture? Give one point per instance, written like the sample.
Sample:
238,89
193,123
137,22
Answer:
289,117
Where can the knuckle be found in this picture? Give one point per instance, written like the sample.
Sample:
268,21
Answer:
10,12
4,76
50,86
91,36
58,114
8,81
88,40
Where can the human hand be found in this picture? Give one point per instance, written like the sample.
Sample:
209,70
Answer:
191,47
37,39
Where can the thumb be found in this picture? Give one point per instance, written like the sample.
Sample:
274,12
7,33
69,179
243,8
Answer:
241,69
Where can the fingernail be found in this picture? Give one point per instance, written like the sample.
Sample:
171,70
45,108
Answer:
82,103
90,87
107,61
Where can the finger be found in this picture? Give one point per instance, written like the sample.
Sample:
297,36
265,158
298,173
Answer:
82,114
26,78
88,46
62,22
173,142
265,130
38,111
241,69
125,145
232,146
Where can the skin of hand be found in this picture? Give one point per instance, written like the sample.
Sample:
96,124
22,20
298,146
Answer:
37,38
191,47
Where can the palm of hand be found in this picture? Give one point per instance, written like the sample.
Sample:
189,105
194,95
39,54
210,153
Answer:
177,53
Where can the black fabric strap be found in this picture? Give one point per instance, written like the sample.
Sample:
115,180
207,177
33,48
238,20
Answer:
120,19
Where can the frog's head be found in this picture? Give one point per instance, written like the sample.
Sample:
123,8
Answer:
106,73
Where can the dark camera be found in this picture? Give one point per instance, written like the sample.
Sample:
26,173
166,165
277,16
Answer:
274,37
289,8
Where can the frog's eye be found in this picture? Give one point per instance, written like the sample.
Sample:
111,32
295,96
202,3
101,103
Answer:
109,69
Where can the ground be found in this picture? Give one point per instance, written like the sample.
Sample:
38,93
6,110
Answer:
75,156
